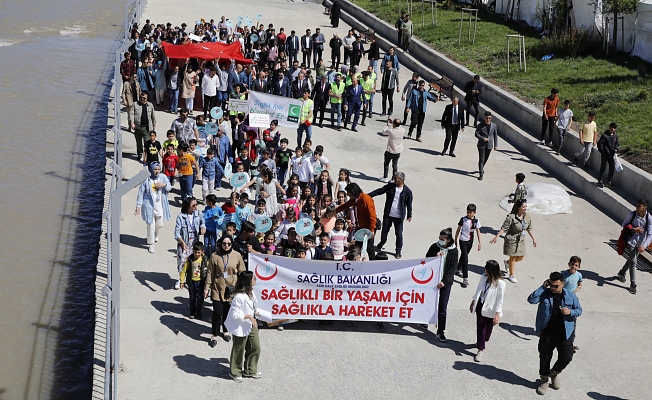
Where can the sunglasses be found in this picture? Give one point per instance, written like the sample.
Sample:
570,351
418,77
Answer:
555,286
226,244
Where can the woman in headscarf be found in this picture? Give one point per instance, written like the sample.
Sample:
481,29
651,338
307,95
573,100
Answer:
189,225
223,269
514,227
152,201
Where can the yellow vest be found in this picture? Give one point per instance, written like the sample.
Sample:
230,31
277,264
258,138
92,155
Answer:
337,90
305,109
367,85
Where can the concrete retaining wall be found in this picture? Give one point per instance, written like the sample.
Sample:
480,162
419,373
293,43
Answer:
518,122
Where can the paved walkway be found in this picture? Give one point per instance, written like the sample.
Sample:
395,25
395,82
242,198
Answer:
166,355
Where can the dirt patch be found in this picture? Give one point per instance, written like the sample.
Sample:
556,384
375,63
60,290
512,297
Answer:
641,160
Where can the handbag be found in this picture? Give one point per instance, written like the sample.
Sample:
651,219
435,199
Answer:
618,167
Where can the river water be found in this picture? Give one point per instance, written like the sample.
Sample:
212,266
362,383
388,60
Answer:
56,62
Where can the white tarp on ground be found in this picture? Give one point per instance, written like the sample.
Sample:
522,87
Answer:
544,199
643,31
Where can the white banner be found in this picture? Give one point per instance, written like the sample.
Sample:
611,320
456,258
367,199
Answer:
259,120
390,291
285,109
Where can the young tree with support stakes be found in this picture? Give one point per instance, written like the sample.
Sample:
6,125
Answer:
618,7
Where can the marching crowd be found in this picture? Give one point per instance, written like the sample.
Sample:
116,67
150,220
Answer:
281,186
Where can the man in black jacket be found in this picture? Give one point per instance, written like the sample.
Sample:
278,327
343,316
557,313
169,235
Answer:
321,99
306,47
452,121
398,205
246,243
608,147
473,89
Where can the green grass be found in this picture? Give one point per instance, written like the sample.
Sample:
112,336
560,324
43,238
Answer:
610,86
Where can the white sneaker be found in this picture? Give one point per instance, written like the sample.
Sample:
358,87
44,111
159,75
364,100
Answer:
177,285
478,357
279,328
236,379
155,238
151,248
542,143
257,375
512,279
384,180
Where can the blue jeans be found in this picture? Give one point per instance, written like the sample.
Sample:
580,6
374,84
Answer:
221,98
336,108
185,183
374,63
174,99
282,172
210,238
300,129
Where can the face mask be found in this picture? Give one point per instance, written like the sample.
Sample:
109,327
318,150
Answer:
442,243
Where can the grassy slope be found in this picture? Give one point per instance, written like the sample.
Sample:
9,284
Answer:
607,86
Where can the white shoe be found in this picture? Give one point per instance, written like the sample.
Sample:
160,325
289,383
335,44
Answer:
236,379
151,248
542,143
177,285
156,239
384,180
279,328
257,375
512,279
478,357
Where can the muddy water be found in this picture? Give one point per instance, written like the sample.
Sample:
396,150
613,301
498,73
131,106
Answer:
55,65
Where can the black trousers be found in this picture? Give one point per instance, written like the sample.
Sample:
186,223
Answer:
398,231
405,114
604,159
444,295
475,104
547,125
335,59
463,264
220,311
388,95
320,107
348,56
196,291
483,157
394,159
547,344
306,58
316,56
292,56
400,36
451,137
417,120
209,103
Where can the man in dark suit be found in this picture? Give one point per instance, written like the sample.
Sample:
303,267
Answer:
260,84
452,121
487,134
300,85
281,85
320,98
354,100
293,46
358,51
306,47
473,89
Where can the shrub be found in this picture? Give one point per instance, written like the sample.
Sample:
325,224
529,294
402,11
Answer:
569,44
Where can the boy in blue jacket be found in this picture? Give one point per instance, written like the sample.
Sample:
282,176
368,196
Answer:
211,170
555,323
211,215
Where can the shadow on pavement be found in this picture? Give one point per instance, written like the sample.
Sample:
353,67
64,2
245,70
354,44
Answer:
493,373
186,326
601,281
516,329
427,151
599,396
133,241
214,367
160,279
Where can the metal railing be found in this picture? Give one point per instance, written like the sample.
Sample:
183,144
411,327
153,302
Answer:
133,12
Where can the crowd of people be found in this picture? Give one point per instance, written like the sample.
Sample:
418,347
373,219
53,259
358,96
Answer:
286,185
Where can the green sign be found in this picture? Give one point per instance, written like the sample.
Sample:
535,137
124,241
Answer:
294,112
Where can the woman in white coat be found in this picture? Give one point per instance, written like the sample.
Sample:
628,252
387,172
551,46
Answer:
241,322
152,203
488,303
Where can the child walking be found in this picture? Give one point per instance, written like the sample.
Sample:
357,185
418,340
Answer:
519,193
468,226
211,214
573,282
193,275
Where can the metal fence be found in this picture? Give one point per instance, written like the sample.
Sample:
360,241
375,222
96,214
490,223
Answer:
133,12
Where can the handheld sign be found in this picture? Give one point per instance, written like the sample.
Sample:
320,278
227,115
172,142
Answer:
303,215
259,120
228,170
253,38
202,132
211,128
216,112
263,224
307,155
140,46
229,23
304,226
240,18
362,235
259,16
247,17
238,180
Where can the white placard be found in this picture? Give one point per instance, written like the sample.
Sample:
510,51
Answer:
239,105
259,120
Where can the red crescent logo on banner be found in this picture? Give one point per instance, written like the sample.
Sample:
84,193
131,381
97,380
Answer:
423,282
267,278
